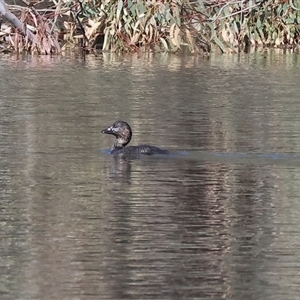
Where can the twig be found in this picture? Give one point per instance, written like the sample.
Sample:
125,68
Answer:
85,39
57,11
235,13
16,22
19,7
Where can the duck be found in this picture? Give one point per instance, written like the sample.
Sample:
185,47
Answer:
123,133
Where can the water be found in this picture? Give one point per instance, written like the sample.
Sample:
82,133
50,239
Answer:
219,219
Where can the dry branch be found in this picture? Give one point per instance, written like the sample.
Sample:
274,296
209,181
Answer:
16,22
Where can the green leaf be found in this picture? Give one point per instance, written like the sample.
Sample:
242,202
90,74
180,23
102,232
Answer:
274,36
106,41
258,23
119,9
289,21
295,5
261,34
132,8
235,28
220,44
284,7
278,10
257,36
164,43
141,8
231,47
225,11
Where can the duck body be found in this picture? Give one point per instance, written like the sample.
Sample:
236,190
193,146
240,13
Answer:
140,149
123,133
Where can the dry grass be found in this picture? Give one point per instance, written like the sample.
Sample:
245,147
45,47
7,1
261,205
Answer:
131,26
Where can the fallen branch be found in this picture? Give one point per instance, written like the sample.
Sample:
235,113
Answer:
16,22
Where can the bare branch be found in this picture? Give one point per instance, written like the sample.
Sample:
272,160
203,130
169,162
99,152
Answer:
16,22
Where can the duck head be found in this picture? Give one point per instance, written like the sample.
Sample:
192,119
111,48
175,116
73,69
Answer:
122,131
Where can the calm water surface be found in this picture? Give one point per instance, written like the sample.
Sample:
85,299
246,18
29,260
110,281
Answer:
219,219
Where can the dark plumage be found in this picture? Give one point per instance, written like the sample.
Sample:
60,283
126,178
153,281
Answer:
122,131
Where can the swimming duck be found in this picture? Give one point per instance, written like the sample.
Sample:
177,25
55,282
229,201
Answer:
123,133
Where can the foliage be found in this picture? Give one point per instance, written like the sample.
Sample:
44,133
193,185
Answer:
239,24
158,25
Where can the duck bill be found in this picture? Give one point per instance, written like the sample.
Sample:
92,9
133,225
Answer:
108,130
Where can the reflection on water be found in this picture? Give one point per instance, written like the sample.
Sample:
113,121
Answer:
216,219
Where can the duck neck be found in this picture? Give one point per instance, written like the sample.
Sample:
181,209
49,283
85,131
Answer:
119,145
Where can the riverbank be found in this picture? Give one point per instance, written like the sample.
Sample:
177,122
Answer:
50,27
